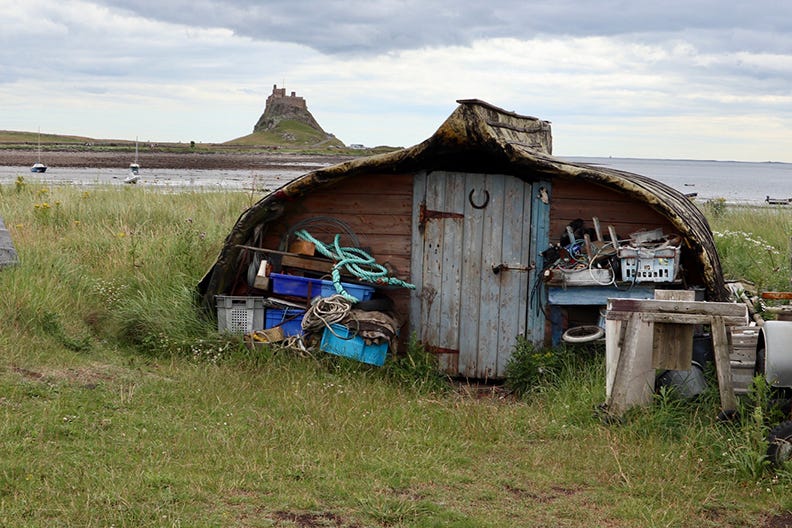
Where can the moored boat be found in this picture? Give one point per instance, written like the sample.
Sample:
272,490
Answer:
39,166
134,168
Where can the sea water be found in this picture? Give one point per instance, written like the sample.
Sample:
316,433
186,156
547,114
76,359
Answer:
733,181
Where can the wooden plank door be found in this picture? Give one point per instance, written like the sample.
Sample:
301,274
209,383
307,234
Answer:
472,268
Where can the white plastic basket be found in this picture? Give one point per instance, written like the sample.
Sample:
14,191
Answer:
639,264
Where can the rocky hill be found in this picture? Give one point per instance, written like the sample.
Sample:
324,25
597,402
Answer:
287,122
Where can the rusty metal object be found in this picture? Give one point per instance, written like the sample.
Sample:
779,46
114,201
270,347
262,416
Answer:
424,215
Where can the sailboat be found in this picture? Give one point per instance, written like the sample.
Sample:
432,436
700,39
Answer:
38,166
134,168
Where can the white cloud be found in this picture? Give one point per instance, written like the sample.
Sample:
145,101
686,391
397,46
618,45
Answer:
628,78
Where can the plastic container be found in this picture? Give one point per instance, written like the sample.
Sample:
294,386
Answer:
309,288
345,343
290,320
649,265
239,315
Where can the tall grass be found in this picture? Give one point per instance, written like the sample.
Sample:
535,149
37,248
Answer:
121,406
753,243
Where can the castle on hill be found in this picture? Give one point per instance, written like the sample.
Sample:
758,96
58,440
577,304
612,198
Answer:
291,100
281,107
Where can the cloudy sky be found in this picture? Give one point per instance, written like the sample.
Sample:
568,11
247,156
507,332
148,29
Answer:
698,79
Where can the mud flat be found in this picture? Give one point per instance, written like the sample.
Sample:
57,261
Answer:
199,171
170,160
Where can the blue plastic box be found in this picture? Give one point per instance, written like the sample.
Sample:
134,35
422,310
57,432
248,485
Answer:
309,288
278,317
352,346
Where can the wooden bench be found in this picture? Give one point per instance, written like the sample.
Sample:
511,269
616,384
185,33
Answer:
644,335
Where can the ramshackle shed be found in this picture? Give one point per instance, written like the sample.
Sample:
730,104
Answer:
500,238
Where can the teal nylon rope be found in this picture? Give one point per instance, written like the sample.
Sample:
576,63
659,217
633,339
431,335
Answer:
356,261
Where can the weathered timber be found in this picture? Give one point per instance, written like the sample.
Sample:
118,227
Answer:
690,319
633,376
672,343
631,317
293,260
721,345
743,356
777,296
679,307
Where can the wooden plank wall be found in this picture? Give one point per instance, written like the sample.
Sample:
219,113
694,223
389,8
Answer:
377,208
574,199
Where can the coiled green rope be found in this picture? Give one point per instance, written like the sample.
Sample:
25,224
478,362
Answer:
356,262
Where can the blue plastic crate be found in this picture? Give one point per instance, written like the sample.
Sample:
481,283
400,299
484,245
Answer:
345,343
289,320
308,288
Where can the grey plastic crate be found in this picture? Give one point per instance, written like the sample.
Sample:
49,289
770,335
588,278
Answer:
239,315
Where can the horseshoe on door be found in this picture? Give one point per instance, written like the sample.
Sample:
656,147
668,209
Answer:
483,204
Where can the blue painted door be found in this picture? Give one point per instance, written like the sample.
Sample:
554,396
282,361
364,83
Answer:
473,264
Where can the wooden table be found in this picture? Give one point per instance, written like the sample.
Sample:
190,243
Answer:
644,335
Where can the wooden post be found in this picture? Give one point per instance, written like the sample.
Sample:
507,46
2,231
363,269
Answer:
597,229
672,345
630,387
721,344
629,373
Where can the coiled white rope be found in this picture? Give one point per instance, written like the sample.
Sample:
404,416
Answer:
325,311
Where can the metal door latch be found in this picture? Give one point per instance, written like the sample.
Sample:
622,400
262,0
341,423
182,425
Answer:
497,268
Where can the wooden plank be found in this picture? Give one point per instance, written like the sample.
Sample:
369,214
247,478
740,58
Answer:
470,309
417,256
374,184
633,379
433,271
596,295
680,307
452,259
780,296
672,343
721,344
492,247
335,203
513,282
613,343
307,263
377,245
539,227
687,319
361,223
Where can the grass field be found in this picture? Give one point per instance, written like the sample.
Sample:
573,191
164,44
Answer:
120,405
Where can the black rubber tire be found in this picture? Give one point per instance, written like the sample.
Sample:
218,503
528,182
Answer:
583,334
779,443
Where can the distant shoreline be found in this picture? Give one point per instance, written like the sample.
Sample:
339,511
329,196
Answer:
171,160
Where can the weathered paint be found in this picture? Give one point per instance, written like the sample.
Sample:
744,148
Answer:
540,239
461,303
